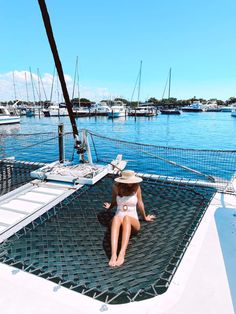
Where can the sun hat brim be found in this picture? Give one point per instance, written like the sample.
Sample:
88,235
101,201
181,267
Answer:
128,180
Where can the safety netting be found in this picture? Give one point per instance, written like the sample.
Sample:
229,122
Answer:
207,167
14,174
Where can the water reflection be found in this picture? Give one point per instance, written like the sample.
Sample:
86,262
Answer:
9,129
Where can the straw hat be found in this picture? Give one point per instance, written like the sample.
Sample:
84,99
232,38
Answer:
129,177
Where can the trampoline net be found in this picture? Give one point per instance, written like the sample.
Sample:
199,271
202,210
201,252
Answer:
70,244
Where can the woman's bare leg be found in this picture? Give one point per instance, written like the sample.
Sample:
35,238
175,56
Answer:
127,224
115,230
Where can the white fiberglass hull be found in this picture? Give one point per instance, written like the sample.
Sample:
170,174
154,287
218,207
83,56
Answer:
5,119
116,114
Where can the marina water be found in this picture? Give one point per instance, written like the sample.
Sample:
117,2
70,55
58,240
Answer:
205,130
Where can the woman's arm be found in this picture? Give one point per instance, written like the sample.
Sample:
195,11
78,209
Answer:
141,207
113,201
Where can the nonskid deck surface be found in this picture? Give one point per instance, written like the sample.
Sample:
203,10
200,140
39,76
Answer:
71,243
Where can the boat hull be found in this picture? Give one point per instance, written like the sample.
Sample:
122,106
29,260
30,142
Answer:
9,120
170,112
116,114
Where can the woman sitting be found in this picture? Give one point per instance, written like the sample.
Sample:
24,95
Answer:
126,195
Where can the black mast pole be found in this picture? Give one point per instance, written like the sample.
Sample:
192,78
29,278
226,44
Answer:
48,27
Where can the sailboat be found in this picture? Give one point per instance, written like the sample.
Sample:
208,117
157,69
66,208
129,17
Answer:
169,111
141,110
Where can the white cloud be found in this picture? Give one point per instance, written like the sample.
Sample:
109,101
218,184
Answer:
15,84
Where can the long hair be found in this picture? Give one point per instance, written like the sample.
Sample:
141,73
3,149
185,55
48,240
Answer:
125,189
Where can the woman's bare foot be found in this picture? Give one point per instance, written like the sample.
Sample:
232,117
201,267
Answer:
120,259
112,262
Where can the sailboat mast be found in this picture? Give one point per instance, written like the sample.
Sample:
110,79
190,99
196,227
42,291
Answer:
39,89
73,91
14,84
26,85
139,81
32,83
48,28
52,85
169,84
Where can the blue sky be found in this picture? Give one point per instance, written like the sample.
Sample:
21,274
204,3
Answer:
195,38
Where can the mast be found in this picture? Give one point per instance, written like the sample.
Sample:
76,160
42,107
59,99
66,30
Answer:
48,28
139,81
169,84
32,83
26,85
14,84
39,89
52,84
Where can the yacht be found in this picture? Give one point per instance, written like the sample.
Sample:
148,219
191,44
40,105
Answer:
229,108
233,112
143,111
100,109
170,111
117,110
6,117
212,106
196,106
55,110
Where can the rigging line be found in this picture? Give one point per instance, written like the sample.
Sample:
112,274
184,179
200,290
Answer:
166,147
95,150
76,65
178,165
165,87
23,148
48,28
135,85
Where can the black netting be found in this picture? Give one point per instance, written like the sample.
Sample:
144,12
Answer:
195,164
70,244
14,174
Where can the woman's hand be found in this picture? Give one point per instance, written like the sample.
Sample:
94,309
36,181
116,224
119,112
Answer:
150,217
106,205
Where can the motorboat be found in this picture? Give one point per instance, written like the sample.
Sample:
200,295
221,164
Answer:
233,112
55,110
229,108
143,111
118,109
212,106
196,106
100,109
82,112
6,117
170,111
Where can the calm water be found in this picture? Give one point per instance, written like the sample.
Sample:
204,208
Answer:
207,130
214,130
